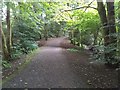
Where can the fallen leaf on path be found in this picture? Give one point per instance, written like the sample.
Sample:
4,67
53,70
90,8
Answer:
89,82
26,83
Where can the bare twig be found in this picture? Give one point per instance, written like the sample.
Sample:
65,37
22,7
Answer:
79,8
89,5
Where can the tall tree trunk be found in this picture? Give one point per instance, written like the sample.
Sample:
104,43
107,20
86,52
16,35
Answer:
118,29
4,45
112,28
0,38
103,17
8,29
109,29
0,34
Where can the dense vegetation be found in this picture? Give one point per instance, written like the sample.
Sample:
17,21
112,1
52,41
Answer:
93,25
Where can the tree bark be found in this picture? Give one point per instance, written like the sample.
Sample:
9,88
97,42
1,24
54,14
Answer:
5,53
103,17
0,36
118,30
9,34
109,29
111,20
46,32
112,28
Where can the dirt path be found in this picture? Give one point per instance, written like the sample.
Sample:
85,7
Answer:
56,67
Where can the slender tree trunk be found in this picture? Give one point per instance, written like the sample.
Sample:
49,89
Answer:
0,39
95,34
8,29
45,32
118,30
73,36
0,36
4,45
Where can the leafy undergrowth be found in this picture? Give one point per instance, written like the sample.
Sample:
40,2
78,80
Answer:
6,64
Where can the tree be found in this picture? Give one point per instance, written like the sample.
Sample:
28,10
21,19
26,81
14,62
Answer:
112,28
108,24
8,37
0,36
4,45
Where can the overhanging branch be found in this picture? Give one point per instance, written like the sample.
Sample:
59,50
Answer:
89,5
79,8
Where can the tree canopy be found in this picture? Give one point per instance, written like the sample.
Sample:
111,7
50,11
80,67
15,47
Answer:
88,24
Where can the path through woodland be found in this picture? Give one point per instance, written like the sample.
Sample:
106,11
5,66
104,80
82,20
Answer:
54,66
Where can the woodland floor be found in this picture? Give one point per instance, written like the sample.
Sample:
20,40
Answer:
53,66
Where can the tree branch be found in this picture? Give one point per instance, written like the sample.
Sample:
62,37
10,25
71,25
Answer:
79,8
89,5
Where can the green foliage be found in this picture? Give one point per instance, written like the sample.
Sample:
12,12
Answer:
55,29
99,52
25,31
85,27
24,37
73,50
5,64
33,21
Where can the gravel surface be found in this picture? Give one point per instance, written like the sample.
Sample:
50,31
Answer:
56,67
